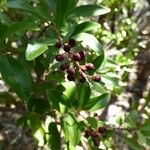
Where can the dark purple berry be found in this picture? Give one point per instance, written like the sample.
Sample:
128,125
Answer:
63,67
71,71
67,48
77,57
87,133
94,134
82,54
96,141
72,42
96,78
89,66
102,130
82,79
59,57
58,44
70,77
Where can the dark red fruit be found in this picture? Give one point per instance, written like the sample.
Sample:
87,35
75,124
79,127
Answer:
82,79
59,57
63,67
87,133
89,66
82,54
58,44
70,77
94,134
71,71
72,42
96,78
77,57
67,48
102,130
96,141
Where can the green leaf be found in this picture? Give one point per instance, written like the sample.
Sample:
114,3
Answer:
16,76
38,105
54,140
17,4
131,119
5,19
3,29
98,61
141,138
90,41
23,25
63,10
86,26
132,142
38,48
24,5
98,102
91,10
54,97
70,91
51,4
83,95
93,122
71,130
145,128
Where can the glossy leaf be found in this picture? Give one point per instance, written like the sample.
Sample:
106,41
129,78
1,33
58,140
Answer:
145,128
93,122
71,130
63,10
36,49
98,102
98,61
86,26
38,105
131,119
91,10
51,4
54,140
5,19
90,41
132,142
54,97
16,76
23,25
83,92
24,5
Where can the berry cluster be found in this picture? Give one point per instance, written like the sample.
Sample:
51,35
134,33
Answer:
76,58
95,135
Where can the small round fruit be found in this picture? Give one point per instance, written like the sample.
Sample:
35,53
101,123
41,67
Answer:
58,44
89,66
71,71
72,42
67,48
59,57
96,142
102,130
82,54
63,67
77,57
70,77
87,133
96,78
